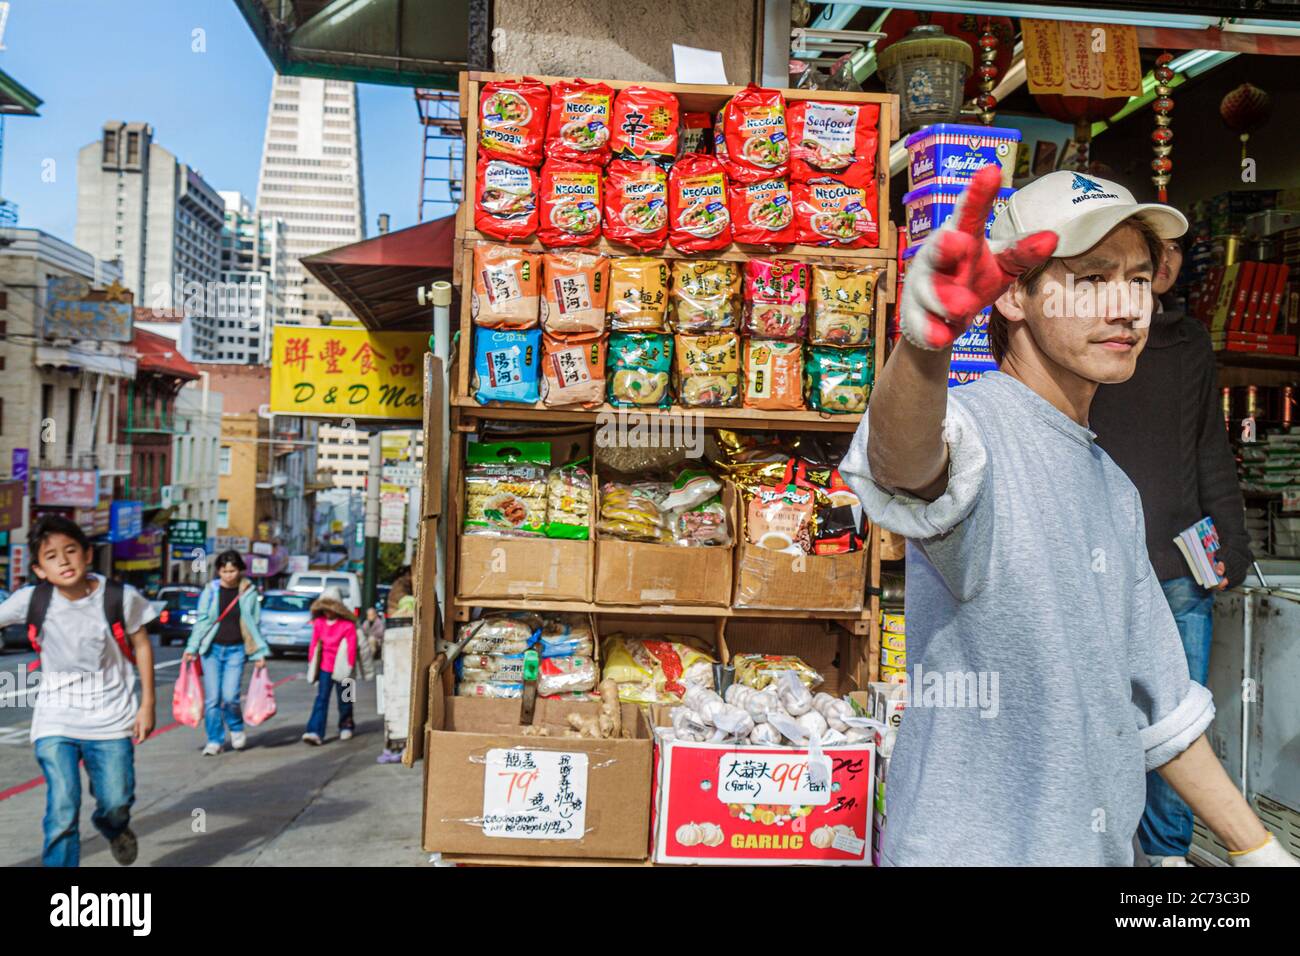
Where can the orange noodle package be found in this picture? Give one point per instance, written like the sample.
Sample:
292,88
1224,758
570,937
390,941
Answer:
835,212
762,213
644,125
505,291
708,370
573,369
753,124
578,127
705,296
506,205
636,204
773,375
698,219
570,204
839,139
512,120
638,294
574,290
776,298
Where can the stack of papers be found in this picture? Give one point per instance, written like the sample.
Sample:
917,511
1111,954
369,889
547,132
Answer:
1200,547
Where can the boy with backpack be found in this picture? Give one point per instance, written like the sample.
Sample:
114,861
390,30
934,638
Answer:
87,633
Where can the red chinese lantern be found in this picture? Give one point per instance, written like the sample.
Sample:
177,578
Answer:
1245,110
964,26
1082,111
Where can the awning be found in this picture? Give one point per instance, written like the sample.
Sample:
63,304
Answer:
378,278
119,366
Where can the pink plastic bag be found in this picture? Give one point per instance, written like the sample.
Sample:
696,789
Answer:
187,695
259,704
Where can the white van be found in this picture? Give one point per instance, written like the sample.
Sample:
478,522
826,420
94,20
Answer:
314,582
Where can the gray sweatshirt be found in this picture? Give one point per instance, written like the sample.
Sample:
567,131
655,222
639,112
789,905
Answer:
1046,673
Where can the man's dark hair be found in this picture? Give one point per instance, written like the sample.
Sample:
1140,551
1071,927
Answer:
999,330
49,525
230,557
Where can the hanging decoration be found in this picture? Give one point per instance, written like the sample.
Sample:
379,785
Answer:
966,27
1162,137
1245,110
987,73
927,70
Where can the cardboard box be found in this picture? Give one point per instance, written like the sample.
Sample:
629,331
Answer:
828,649
730,805
483,778
638,573
887,702
778,581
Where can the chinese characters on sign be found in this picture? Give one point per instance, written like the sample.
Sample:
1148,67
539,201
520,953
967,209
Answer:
347,372
535,795
773,779
73,310
67,488
11,504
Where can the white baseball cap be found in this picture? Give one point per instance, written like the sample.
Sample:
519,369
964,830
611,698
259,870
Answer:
1081,210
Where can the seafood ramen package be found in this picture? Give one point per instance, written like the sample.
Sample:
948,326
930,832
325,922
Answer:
570,204
578,127
644,125
638,294
753,125
512,120
762,213
776,298
506,205
773,375
698,218
576,284
705,296
573,369
640,366
839,139
708,370
843,305
838,380
836,212
506,366
636,204
505,290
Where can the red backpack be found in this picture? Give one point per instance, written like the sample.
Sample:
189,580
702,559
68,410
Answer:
114,604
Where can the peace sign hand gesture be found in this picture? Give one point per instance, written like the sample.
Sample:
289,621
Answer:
958,272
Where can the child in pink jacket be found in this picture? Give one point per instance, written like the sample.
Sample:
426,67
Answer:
333,632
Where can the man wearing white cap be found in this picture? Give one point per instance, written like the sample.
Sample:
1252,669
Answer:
1027,562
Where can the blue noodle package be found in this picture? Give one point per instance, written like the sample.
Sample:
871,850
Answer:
507,366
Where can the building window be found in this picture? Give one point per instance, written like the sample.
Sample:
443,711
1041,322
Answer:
223,513
225,454
133,147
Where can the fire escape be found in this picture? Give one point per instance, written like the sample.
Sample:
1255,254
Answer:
442,166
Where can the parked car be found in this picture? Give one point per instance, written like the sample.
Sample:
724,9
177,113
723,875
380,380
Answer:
349,585
15,635
286,620
177,609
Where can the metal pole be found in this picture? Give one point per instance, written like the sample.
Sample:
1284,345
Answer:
372,520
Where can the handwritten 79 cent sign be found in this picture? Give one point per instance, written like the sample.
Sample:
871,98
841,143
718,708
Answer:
347,372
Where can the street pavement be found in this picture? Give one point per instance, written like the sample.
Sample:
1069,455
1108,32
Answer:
277,803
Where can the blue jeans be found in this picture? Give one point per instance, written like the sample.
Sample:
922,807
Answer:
1166,827
223,672
110,765
320,709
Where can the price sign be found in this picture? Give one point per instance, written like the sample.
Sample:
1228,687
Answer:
773,779
535,795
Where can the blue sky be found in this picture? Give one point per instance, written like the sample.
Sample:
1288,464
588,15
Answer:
95,60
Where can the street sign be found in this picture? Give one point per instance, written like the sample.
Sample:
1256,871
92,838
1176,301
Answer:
125,520
67,487
405,474
190,532
18,466
226,542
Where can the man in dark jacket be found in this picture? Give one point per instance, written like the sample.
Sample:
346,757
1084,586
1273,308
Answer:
1164,427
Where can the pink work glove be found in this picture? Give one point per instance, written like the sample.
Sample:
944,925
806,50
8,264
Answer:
958,272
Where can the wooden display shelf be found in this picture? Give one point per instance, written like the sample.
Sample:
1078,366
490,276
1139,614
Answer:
674,610
707,417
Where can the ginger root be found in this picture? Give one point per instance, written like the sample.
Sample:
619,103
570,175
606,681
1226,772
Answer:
579,726
536,731
610,719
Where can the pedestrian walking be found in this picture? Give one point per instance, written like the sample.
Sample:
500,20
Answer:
224,637
372,628
332,657
87,633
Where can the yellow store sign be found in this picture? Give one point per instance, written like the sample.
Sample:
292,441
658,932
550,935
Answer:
347,372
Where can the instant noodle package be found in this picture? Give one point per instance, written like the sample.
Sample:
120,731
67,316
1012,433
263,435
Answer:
708,370
838,139
578,127
512,120
698,217
844,304
505,491
638,295
705,295
506,204
505,287
644,125
753,126
570,204
836,212
574,291
506,366
636,204
773,375
640,367
838,380
573,369
762,213
776,298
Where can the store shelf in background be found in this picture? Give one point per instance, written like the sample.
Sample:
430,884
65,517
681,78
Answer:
688,417
859,618
1257,368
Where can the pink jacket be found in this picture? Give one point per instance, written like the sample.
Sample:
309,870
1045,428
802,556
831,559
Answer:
332,634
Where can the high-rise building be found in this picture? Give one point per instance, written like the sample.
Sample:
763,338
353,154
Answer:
137,204
251,299
311,178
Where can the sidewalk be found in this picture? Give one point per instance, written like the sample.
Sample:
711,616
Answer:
278,803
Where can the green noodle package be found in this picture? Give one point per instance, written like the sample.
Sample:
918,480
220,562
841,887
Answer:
838,380
640,366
